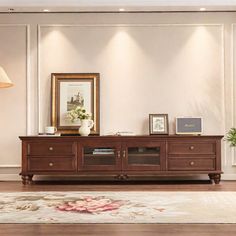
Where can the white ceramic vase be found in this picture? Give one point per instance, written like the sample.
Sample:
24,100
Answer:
85,127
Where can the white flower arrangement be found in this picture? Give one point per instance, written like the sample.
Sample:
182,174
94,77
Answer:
79,113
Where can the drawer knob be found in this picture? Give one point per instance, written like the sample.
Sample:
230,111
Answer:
50,164
191,163
118,154
191,147
124,154
51,148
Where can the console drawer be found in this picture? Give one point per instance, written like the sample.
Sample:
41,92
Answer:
51,148
191,148
191,164
51,164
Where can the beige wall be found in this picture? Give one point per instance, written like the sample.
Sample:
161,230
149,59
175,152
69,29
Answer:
180,64
13,57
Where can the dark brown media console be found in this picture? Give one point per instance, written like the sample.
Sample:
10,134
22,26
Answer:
121,156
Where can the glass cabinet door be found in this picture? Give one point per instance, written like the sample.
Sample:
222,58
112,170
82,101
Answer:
143,156
100,157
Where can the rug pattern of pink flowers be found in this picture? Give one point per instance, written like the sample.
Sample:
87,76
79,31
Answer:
90,204
118,207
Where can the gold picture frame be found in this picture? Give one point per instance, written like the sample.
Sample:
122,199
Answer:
158,124
84,87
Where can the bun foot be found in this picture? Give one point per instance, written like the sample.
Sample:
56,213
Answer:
215,177
27,179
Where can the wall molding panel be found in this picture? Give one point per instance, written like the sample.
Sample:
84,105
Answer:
26,27
28,83
41,26
233,89
38,79
28,65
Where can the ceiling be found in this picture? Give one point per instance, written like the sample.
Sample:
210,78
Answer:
115,5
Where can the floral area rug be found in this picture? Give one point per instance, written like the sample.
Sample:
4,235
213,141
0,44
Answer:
118,207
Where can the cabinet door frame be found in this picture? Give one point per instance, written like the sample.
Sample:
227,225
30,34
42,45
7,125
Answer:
139,167
99,144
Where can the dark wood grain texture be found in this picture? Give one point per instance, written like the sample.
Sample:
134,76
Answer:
131,156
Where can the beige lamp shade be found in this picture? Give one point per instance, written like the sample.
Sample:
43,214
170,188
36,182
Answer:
4,80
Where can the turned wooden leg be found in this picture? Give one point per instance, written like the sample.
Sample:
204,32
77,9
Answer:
215,177
26,179
211,177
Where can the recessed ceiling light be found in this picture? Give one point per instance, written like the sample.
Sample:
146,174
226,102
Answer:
202,9
121,9
46,10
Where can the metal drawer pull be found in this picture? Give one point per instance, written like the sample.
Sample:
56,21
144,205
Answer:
118,154
51,148
191,147
50,164
124,154
191,163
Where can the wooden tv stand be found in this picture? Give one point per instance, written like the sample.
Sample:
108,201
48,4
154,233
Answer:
121,156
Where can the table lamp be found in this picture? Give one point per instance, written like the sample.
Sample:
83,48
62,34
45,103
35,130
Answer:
5,82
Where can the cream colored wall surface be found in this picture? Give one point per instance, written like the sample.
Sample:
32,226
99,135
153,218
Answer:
13,57
175,63
174,69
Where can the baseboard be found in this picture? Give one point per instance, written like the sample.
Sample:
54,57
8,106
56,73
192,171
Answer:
10,177
228,177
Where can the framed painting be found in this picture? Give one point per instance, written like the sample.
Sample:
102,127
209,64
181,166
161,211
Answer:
70,90
158,124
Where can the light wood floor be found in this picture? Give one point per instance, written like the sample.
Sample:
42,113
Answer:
119,229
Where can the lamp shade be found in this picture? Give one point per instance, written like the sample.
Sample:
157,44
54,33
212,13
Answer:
4,80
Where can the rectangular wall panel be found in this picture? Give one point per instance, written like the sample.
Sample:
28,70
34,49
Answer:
174,69
13,58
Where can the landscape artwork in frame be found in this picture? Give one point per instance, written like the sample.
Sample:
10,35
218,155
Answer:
70,90
158,124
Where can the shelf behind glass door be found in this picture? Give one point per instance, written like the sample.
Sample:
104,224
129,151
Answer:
144,155
99,156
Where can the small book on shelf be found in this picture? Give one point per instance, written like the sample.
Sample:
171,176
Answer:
103,151
49,135
125,133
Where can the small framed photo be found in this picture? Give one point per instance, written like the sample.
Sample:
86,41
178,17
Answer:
158,124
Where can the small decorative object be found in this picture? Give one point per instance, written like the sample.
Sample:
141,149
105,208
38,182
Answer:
50,130
80,113
125,133
158,124
231,137
189,125
85,127
71,90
